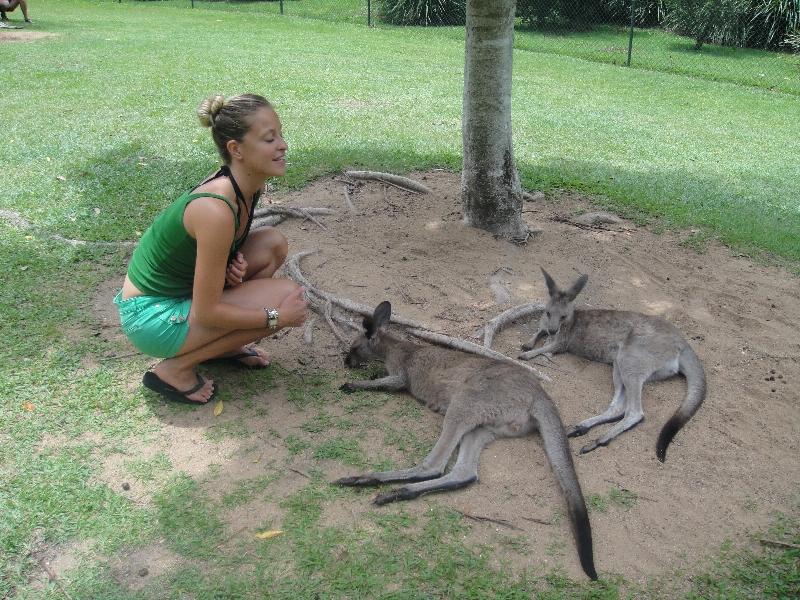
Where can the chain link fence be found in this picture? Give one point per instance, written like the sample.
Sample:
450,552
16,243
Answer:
748,42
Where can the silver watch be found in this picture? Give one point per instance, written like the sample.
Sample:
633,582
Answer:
272,318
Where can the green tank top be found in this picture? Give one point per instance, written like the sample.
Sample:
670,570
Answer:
163,263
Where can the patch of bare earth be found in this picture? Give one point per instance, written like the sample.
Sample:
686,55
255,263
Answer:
21,35
726,472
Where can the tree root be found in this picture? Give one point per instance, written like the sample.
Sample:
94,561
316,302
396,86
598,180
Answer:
323,303
396,180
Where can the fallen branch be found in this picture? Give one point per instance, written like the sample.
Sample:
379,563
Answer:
396,180
512,314
472,348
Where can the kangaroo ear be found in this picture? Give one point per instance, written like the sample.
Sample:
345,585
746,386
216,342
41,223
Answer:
576,288
382,313
369,327
552,288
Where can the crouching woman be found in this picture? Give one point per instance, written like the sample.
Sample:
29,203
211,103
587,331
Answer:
200,284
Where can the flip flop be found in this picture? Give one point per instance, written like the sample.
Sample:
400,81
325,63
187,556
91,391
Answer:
236,360
154,382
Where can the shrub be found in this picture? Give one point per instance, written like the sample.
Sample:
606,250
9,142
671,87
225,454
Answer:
424,13
549,15
724,22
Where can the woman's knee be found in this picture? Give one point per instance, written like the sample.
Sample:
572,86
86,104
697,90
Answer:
266,249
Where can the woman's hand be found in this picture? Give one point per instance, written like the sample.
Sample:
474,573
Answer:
236,271
293,310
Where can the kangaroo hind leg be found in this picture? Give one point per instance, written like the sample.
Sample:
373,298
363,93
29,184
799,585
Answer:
616,410
464,472
633,415
431,468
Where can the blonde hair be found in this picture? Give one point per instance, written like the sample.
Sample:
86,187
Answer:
229,119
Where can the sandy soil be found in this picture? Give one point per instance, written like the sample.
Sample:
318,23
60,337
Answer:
727,471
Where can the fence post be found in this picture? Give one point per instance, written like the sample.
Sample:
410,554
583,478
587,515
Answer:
369,14
630,38
281,6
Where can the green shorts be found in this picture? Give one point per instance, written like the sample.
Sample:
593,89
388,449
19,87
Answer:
156,326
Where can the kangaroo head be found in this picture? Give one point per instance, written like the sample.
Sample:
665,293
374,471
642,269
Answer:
560,305
365,347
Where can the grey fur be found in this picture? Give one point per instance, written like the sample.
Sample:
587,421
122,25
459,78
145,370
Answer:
640,347
482,399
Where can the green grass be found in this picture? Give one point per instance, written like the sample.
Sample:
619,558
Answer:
100,135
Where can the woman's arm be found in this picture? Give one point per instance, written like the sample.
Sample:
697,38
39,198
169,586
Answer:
211,222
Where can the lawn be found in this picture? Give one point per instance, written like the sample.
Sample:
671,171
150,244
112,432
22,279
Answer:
100,135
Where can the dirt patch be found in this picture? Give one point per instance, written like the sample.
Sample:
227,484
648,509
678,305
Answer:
21,35
726,472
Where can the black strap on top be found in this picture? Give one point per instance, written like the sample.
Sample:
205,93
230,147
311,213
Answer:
226,171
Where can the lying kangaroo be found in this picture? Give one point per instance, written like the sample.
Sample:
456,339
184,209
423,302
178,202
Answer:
640,347
482,399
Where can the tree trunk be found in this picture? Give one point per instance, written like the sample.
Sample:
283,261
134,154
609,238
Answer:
491,194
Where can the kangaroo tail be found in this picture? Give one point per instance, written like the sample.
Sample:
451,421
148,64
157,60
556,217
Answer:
692,368
558,453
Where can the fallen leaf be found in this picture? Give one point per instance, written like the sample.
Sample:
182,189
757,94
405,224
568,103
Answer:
28,406
24,268
61,178
268,534
218,409
96,210
257,458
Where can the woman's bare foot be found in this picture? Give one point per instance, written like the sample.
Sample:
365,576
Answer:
184,379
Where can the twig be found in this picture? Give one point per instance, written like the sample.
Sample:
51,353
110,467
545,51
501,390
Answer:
350,206
355,518
51,575
777,543
308,334
298,472
502,522
329,318
540,521
396,180
402,293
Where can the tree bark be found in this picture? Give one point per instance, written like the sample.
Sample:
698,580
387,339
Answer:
491,194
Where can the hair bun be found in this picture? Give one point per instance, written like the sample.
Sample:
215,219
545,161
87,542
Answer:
209,109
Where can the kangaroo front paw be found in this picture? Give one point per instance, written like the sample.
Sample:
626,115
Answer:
348,388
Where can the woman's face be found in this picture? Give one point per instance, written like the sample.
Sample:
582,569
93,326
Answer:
263,147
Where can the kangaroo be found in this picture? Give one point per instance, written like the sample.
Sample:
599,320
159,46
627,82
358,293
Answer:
482,399
640,347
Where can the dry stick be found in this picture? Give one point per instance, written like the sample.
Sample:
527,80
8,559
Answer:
329,318
498,521
777,543
52,576
396,180
298,472
540,521
515,312
350,206
308,334
472,348
293,271
402,293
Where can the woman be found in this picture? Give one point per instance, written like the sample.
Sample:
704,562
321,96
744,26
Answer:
7,6
199,284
